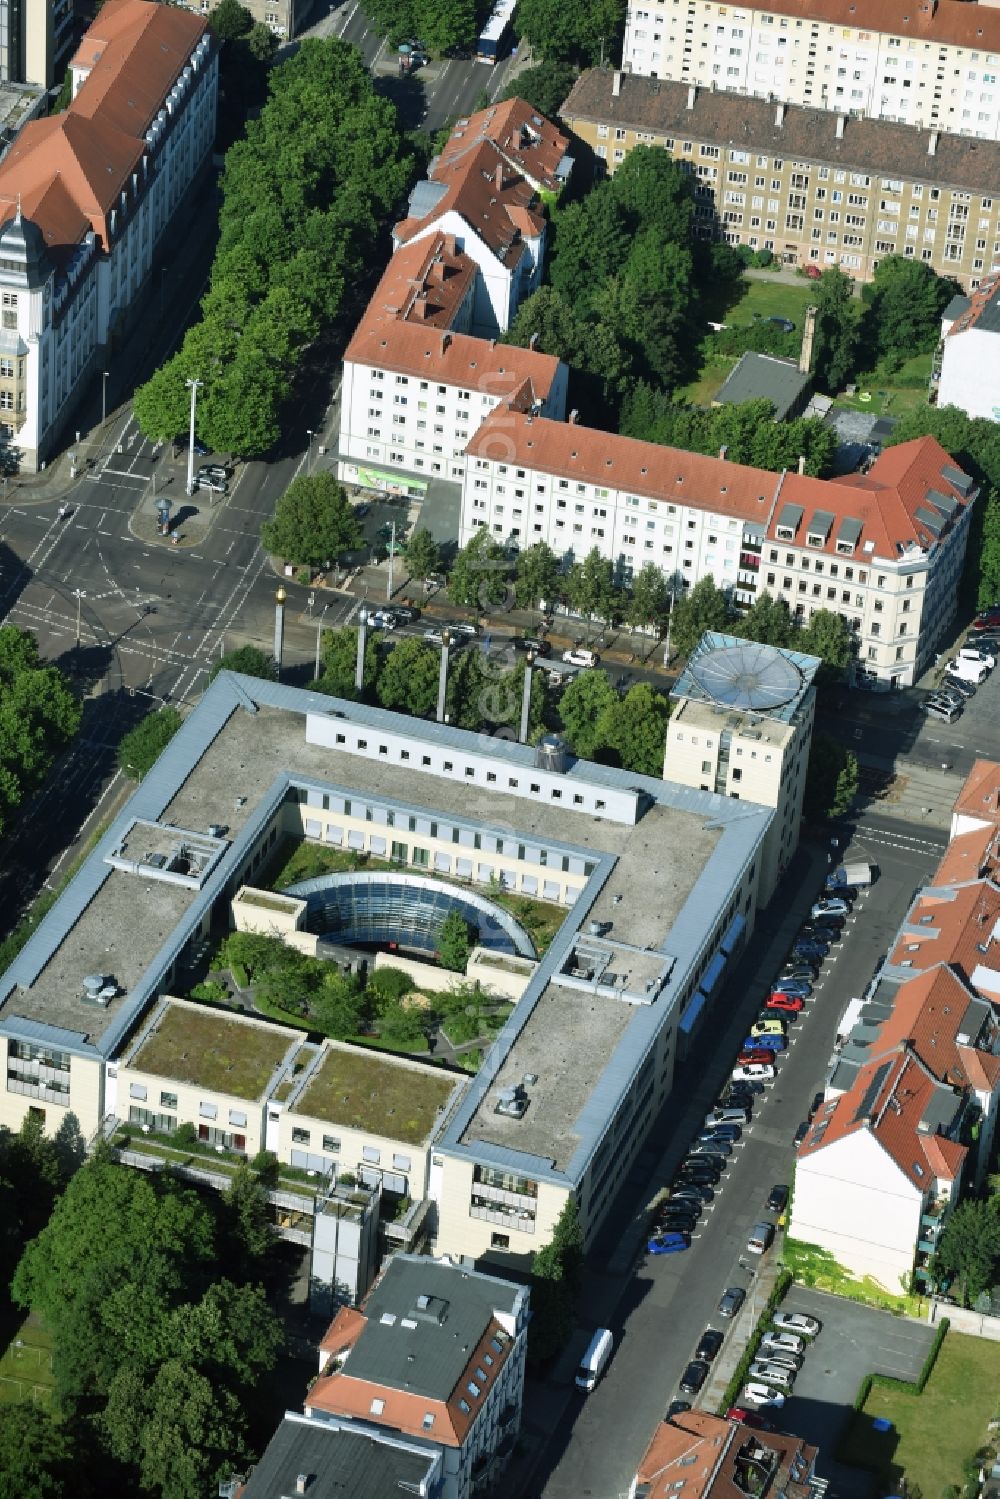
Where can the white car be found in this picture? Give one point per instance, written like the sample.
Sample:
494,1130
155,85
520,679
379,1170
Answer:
773,1373
382,619
781,1342
834,906
796,1322
580,658
750,1072
761,1396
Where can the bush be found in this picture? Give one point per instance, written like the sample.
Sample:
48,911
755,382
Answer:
210,992
347,1179
388,985
265,1165
185,1135
932,1354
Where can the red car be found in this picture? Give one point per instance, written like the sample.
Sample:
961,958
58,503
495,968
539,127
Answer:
749,1418
789,1002
758,1054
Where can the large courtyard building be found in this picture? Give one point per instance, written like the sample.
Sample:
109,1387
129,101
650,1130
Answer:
813,187
658,884
932,63
87,198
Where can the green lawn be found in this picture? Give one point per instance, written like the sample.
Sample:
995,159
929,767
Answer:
363,1091
771,299
932,1434
26,1366
212,1049
891,393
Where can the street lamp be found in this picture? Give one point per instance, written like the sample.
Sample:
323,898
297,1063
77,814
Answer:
194,386
359,664
529,661
310,434
443,676
79,594
279,626
105,374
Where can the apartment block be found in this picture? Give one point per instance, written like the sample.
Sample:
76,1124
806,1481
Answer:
967,365
932,63
328,1459
815,187
742,727
710,1457
436,1356
417,383
884,549
486,189
286,18
87,198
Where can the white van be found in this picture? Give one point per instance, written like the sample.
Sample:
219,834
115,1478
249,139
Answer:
761,1237
593,1361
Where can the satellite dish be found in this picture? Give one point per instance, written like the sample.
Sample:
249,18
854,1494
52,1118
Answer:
752,676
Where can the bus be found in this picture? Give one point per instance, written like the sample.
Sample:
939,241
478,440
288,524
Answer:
496,33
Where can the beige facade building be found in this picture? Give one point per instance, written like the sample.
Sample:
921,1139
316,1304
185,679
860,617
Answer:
742,727
815,188
932,63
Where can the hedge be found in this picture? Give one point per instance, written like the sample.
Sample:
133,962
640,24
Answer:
887,1382
775,1299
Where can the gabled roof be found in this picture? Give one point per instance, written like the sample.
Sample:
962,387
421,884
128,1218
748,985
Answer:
340,1460
971,856
929,1014
980,795
983,311
710,1457
950,924
135,51
523,137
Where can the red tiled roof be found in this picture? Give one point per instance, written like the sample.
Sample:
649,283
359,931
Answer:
525,138
981,1067
960,920
484,191
979,300
945,1158
946,23
135,51
517,376
343,1332
980,795
710,1455
927,1013
426,282
970,856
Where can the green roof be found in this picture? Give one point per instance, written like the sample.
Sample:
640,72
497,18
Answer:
211,1050
362,1091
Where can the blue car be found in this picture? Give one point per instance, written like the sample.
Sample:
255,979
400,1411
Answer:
797,988
765,1043
807,949
670,1243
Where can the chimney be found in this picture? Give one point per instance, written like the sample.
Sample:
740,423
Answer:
841,122
692,95
616,83
808,339
802,463
445,341
779,116
493,343
499,178
932,143
723,451
573,417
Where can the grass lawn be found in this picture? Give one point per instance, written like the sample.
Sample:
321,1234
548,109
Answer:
299,859
892,393
932,1434
360,1090
26,1370
209,1049
771,299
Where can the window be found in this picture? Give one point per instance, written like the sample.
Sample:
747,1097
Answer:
168,1100
499,1241
332,1144
300,1136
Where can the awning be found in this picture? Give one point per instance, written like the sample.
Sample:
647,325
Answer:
713,973
734,936
691,1014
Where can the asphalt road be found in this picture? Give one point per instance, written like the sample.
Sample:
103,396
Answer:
666,1304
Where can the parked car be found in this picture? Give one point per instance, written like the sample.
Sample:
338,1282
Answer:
831,905
709,1344
739,1412
758,1072
791,1004
762,1395
940,710
777,1199
791,1361
772,1025
580,657
211,483
800,1134
405,615
782,1342
694,1377
797,1322
697,1192
794,988
461,627
671,1208
669,1243
709,1145
218,471
736,1114
765,1043
807,949
731,1300
751,1054
730,1132
818,1100
199,448
954,687
704,1169
748,1090
678,1221
677,1408
773,1373
382,619
826,931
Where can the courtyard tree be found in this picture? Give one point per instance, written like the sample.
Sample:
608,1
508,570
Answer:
313,522
409,678
585,700
634,730
421,554
455,941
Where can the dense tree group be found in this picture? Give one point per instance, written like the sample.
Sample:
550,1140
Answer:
441,25
831,780
543,86
898,316
768,620
39,714
303,197
748,432
313,522
584,32
968,1255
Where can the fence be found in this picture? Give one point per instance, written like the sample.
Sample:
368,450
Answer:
974,1323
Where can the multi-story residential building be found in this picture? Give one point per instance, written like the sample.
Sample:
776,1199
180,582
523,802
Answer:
967,366
436,1357
286,18
35,38
485,190
933,63
328,1459
884,549
742,726
813,187
87,197
570,1088
711,1457
417,384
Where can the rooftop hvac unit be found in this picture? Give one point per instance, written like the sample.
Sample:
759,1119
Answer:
512,1102
552,753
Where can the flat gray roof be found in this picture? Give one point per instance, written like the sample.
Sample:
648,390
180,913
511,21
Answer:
763,377
340,1459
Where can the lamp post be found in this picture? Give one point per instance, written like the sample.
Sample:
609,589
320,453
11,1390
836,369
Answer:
670,620
79,594
526,696
194,386
310,434
392,560
443,675
359,666
104,395
319,639
279,626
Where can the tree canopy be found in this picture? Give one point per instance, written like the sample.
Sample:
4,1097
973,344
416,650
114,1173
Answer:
421,554
746,430
905,301
313,522
441,25
303,197
831,779
39,714
250,660
143,745
543,86
584,32
481,575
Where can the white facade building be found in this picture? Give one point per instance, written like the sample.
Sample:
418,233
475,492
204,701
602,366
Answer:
884,549
933,63
88,196
969,354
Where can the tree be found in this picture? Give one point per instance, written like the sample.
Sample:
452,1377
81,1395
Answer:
339,1005
261,42
339,659
828,636
969,1250
250,660
905,301
142,746
421,554
649,597
635,729
401,1024
37,1456
182,1431
655,193
467,683
409,678
481,575
544,86
831,779
556,1272
249,1218
987,554
837,341
537,575
584,32
590,586
455,941
230,20
593,239
313,522
587,697
767,621
704,608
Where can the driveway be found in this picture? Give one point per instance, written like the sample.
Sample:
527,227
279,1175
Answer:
855,1341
